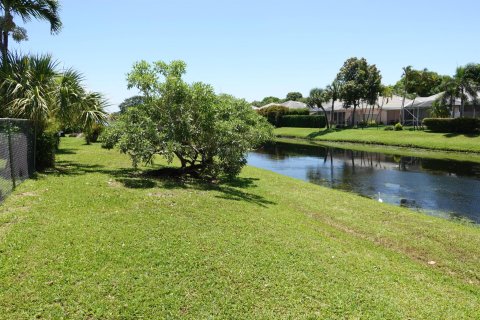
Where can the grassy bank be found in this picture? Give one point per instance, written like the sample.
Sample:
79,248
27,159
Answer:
405,138
95,240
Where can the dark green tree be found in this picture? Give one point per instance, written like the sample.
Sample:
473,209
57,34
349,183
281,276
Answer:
294,96
359,81
131,102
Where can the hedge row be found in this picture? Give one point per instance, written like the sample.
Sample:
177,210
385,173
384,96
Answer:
275,115
303,121
449,125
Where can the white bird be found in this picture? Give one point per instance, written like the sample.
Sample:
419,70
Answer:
379,199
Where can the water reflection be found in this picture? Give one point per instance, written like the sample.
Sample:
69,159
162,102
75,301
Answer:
441,187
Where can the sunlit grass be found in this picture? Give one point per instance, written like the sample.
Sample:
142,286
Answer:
404,138
94,239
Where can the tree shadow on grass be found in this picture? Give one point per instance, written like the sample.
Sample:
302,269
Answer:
167,178
466,135
66,151
321,133
230,189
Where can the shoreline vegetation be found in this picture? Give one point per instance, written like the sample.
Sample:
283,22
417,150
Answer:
377,137
94,238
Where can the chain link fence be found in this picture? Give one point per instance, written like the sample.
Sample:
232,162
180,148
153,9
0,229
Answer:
17,159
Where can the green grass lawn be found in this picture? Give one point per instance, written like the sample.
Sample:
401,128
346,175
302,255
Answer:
404,138
94,240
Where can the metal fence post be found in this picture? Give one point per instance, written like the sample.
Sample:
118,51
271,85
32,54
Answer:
10,153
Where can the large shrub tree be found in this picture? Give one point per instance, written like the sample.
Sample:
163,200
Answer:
359,81
209,134
47,10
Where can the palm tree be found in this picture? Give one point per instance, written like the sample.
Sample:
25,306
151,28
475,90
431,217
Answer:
35,90
47,10
333,93
316,98
461,86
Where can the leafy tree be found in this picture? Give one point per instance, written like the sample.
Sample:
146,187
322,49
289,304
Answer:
47,10
268,100
209,134
332,92
316,98
294,96
423,83
359,81
131,102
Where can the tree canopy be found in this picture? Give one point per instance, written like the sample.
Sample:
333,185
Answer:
209,134
423,83
47,10
294,96
358,81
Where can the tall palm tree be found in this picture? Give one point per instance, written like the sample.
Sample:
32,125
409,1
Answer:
333,93
27,10
463,85
317,98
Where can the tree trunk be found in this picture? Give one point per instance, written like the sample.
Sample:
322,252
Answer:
326,117
5,31
332,117
353,114
462,103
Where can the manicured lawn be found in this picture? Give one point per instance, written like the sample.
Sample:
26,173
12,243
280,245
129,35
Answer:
95,240
405,138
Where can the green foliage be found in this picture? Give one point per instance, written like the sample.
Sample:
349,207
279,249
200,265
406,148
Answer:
131,102
457,125
388,128
209,134
47,10
359,81
311,121
398,127
94,133
267,100
47,144
294,96
423,83
274,113
440,110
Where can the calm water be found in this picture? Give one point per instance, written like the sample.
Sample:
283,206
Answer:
444,188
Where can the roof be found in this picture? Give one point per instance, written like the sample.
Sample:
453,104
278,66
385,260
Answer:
387,103
289,104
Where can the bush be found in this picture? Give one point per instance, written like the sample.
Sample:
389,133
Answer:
389,128
276,112
398,127
313,121
47,144
93,134
448,125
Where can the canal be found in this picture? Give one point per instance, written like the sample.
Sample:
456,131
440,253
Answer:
446,188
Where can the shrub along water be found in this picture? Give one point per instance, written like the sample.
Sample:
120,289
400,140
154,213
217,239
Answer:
448,125
281,116
313,121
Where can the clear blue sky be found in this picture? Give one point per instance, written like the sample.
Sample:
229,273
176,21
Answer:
253,49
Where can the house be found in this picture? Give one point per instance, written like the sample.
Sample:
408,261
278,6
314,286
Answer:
289,104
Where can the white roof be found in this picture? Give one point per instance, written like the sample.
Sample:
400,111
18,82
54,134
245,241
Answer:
387,103
289,104
423,102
